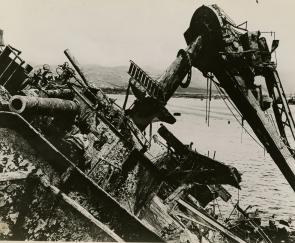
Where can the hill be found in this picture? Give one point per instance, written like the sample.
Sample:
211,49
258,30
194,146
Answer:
117,77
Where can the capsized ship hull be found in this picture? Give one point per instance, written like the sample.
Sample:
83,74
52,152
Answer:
34,208
96,185
75,166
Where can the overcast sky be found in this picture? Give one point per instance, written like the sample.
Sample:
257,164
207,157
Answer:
110,32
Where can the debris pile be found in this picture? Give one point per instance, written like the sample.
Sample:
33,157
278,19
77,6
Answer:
75,166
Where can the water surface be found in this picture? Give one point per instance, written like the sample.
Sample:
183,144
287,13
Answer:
263,185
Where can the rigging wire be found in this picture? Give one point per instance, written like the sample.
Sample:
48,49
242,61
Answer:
242,131
270,118
207,99
222,93
127,94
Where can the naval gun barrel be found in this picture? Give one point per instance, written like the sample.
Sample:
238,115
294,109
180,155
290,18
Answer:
46,106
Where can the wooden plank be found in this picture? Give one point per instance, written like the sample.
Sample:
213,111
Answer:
80,210
254,225
157,215
178,214
125,222
211,222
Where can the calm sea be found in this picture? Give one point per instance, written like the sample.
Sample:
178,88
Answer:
263,185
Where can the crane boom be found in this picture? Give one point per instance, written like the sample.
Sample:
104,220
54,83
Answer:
236,57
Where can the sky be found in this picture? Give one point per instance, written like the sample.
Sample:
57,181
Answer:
150,32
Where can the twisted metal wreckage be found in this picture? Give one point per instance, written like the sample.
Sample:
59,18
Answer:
75,166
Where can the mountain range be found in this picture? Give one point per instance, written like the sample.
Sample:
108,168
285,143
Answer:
117,77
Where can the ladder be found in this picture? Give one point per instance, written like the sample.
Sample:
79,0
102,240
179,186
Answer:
281,108
151,86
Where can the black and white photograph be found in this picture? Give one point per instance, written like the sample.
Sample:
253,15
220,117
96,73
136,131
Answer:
147,121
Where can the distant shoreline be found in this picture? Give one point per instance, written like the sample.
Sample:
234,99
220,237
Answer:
200,95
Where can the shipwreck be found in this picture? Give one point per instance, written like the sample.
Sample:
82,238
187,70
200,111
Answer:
77,167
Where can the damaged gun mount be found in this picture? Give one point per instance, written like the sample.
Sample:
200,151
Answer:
120,185
100,141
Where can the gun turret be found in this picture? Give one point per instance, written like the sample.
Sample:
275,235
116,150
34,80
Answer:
48,106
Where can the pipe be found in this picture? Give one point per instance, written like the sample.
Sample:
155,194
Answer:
47,106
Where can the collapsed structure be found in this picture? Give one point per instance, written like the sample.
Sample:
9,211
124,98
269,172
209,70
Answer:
75,166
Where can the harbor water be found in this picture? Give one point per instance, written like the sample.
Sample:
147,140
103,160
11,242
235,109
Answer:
263,185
